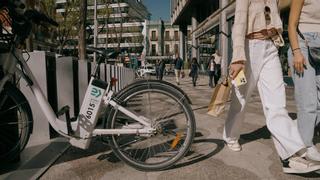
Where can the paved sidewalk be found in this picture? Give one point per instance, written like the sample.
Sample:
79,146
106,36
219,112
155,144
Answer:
209,160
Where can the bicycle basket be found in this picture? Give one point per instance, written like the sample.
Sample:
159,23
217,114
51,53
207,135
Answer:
6,36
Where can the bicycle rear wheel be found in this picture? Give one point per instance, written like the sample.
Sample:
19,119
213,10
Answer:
15,124
170,114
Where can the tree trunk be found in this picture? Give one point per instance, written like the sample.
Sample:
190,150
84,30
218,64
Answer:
82,30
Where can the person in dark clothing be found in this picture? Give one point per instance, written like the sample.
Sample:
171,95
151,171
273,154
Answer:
211,70
158,69
162,66
194,70
217,67
178,63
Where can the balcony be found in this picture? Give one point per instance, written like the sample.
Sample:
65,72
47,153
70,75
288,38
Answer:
176,38
153,38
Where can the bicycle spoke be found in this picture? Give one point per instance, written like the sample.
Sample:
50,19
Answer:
171,110
12,108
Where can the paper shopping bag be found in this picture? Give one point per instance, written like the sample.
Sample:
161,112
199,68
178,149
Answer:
219,98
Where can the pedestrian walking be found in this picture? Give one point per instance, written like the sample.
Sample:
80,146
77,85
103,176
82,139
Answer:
194,66
158,69
162,66
211,68
217,67
306,77
178,63
256,33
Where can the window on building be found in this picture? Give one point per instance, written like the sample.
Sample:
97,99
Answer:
176,35
176,48
167,49
167,35
153,50
153,35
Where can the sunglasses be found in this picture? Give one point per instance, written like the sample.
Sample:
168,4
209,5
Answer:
267,12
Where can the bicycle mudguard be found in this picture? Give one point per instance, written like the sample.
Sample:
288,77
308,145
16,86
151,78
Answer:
89,113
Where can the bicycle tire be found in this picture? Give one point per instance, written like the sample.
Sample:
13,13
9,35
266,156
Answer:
14,104
164,83
155,87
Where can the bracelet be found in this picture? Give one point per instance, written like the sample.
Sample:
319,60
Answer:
295,50
238,62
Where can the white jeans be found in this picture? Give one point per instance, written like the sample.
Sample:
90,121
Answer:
264,71
177,73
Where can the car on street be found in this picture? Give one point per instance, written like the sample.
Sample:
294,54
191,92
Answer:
146,70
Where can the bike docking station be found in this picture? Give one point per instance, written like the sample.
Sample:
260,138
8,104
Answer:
64,81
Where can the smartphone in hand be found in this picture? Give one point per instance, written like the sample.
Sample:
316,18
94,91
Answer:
240,79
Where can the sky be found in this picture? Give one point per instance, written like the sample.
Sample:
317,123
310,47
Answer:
158,9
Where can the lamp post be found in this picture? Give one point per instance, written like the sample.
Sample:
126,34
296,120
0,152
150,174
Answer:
95,33
223,40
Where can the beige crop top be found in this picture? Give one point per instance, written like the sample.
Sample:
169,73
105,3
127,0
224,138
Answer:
249,18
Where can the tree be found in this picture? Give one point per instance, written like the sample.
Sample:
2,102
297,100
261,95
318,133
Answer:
82,31
106,14
68,23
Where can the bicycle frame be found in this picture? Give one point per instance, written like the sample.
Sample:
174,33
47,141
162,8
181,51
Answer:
98,95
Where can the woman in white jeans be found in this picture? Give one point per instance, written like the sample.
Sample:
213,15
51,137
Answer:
306,77
257,22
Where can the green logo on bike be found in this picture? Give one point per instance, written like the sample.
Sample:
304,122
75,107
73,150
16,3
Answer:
96,92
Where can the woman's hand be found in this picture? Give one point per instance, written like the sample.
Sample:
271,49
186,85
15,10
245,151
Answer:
235,68
299,62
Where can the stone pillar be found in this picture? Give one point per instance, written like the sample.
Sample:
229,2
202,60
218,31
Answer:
223,40
195,49
182,41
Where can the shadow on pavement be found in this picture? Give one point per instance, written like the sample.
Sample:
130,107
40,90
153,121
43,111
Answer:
261,133
74,153
193,156
200,108
200,150
264,133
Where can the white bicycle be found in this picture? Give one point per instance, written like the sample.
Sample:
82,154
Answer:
150,125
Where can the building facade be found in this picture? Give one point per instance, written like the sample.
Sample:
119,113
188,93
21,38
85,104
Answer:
212,23
120,24
163,39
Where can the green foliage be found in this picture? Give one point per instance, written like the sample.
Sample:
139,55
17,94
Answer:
68,21
48,6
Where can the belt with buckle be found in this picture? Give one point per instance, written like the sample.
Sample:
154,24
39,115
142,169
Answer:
263,34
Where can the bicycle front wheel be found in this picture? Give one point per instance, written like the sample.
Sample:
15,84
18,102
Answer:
15,124
169,113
